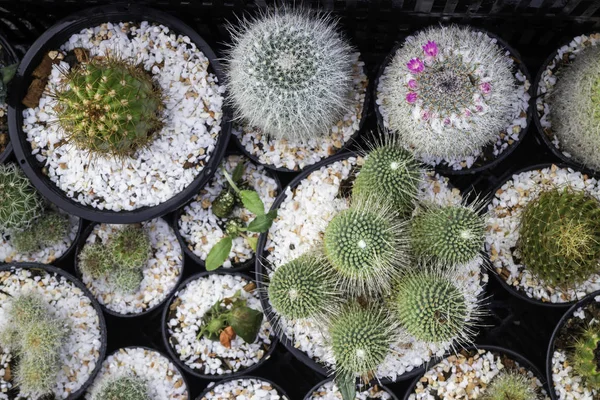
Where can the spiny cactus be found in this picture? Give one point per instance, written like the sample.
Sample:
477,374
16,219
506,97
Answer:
575,107
125,280
367,246
510,386
130,247
20,204
109,107
584,357
559,236
123,388
448,92
49,229
451,234
389,173
290,73
303,288
95,260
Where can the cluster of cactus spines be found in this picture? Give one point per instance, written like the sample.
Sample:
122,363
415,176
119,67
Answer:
304,287
50,228
123,388
95,260
35,337
559,236
449,92
125,280
109,107
585,356
575,108
290,73
451,234
130,247
367,245
510,386
20,204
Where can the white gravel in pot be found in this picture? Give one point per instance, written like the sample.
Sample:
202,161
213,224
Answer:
163,380
160,275
81,349
201,229
466,377
503,222
203,355
241,389
302,219
296,155
191,117
330,391
46,255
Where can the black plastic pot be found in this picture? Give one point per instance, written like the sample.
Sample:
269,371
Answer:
283,395
35,267
479,165
173,354
511,289
80,243
318,385
184,244
523,362
53,39
576,306
8,57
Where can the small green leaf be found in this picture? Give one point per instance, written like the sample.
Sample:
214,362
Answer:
260,224
246,322
238,173
218,254
252,241
9,72
252,202
272,214
347,386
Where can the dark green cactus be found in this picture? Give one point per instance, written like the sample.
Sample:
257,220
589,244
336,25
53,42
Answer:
585,356
130,247
223,204
20,204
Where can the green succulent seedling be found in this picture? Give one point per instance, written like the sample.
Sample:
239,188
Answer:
130,247
95,260
123,388
20,204
125,280
510,386
585,356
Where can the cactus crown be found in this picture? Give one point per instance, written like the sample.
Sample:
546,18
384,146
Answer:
95,260
451,234
109,107
585,356
130,247
290,73
20,204
560,236
510,386
123,388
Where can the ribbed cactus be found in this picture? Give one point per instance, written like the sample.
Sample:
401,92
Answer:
510,386
585,356
122,388
559,236
110,107
20,204
130,247
290,73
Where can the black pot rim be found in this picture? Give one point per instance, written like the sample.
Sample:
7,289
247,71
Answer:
75,22
80,243
261,274
175,357
566,316
524,362
512,290
11,55
283,394
318,385
246,265
346,146
520,65
101,322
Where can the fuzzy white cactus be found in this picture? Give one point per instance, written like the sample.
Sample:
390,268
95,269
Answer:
290,73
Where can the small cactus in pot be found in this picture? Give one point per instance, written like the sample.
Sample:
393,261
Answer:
585,356
123,388
510,386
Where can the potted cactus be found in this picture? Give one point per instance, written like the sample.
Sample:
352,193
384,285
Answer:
138,373
130,269
328,390
542,234
306,99
218,221
32,230
52,333
458,97
246,387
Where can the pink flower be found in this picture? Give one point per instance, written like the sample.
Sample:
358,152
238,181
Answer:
447,121
415,65
479,108
426,115
467,113
430,49
412,84
411,97
485,87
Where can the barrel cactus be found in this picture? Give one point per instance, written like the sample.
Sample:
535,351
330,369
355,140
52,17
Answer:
130,247
510,386
122,388
290,73
559,236
584,356
95,260
20,204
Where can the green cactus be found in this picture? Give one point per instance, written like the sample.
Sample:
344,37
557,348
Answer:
25,241
49,229
560,236
20,204
125,280
302,288
130,247
585,356
123,388
109,107
451,234
223,204
510,386
95,260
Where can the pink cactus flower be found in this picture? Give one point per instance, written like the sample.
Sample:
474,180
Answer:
412,84
430,49
447,121
415,65
426,115
411,97
485,87
479,108
467,113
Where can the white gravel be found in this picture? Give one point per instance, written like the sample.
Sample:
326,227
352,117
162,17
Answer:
296,155
243,389
201,229
192,118
330,391
503,222
81,349
206,356
163,380
161,273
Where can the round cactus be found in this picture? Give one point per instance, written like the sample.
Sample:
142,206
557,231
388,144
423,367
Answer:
584,356
510,386
109,107
125,280
49,229
303,288
451,234
290,73
123,388
20,204
559,236
95,260
130,248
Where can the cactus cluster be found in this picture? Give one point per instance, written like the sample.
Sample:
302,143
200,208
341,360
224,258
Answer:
122,388
290,73
559,236
109,107
510,386
585,356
